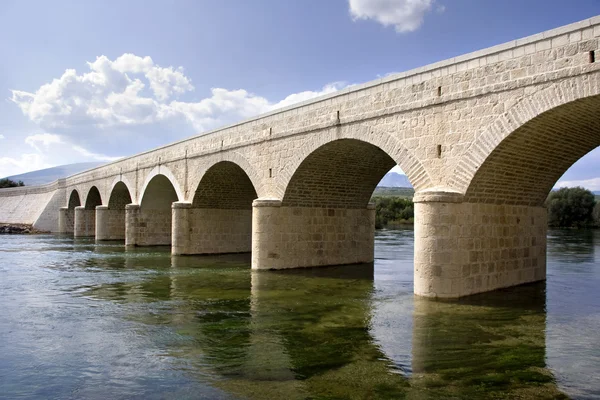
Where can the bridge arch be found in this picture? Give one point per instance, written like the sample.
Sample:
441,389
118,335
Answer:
228,159
74,200
93,198
342,173
519,158
369,135
165,172
121,184
224,185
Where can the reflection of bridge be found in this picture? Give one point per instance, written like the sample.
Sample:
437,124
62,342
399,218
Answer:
314,334
482,137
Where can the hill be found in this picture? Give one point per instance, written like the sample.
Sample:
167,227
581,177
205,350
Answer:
394,179
49,175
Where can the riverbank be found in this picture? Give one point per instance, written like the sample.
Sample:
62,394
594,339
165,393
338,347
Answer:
19,229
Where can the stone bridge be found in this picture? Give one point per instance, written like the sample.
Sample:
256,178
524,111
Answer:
482,138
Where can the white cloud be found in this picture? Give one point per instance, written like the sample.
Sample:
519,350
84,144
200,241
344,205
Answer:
134,98
1,136
127,105
591,184
404,15
25,162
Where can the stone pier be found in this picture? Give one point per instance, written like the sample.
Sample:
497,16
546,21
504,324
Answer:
149,227
110,224
466,248
85,222
210,231
66,220
291,237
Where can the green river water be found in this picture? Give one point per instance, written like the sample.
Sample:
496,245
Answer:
80,320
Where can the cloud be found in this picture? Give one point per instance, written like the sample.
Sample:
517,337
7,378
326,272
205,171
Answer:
404,15
132,99
25,162
591,184
1,136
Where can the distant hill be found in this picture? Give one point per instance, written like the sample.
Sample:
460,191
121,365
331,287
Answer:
394,179
382,191
48,175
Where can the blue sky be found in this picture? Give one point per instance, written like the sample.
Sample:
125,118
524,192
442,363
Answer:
81,78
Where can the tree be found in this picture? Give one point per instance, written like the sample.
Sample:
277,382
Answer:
7,183
570,207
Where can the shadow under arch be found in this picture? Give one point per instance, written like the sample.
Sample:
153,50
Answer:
219,219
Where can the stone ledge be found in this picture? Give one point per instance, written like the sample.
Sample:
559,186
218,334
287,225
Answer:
438,196
266,203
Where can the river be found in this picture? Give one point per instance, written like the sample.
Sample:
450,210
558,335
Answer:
80,320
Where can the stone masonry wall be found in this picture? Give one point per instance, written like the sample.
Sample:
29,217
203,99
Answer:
289,237
110,224
154,228
467,248
211,231
85,222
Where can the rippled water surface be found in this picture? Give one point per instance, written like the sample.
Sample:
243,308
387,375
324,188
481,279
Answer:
86,321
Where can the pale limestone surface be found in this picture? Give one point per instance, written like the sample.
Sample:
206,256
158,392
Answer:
498,126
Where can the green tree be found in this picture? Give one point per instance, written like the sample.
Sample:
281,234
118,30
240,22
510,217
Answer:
570,207
7,183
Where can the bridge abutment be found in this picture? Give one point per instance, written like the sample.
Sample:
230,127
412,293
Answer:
292,237
466,248
132,216
210,231
85,222
110,224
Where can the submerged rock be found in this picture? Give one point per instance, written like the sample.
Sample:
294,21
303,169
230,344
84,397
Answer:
18,229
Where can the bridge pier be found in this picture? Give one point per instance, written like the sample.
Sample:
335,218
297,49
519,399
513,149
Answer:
210,231
110,224
66,220
466,248
147,227
85,222
292,237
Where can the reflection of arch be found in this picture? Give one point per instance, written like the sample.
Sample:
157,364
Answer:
74,200
234,158
164,171
413,169
520,156
120,196
93,199
340,174
225,185
123,180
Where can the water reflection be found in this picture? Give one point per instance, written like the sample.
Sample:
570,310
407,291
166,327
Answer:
216,328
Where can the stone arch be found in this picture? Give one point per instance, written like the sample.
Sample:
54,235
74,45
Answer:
225,185
120,196
74,200
165,172
93,198
233,158
373,135
122,181
519,157
339,174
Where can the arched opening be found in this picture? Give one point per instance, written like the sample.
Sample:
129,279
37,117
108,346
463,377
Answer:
220,218
74,200
324,217
154,224
340,174
85,217
67,214
526,164
111,219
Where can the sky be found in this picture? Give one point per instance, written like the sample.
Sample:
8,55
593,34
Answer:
95,81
